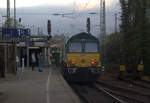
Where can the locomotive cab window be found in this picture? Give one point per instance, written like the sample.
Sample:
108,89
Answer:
91,47
75,47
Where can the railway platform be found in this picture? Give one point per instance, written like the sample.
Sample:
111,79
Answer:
59,91
37,87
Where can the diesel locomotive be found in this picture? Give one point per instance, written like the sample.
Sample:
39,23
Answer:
81,58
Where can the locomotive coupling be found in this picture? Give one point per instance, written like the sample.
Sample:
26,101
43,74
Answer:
72,70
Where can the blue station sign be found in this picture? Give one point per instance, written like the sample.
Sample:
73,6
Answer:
29,43
15,33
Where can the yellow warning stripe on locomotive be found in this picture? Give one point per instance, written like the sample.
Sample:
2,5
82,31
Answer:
83,59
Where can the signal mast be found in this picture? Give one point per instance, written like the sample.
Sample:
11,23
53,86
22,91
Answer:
8,13
88,25
102,30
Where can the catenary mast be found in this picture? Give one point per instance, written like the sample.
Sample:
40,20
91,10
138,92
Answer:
102,30
15,23
8,13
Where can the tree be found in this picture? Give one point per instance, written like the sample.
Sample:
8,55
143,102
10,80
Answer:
113,47
134,28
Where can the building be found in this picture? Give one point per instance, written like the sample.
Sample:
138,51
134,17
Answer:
34,44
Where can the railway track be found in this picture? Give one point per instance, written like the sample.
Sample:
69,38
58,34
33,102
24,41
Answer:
141,83
130,95
94,94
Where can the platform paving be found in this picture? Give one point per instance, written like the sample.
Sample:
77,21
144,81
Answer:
37,87
60,92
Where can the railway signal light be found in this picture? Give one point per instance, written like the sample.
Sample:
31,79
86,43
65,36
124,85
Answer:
19,19
49,27
88,24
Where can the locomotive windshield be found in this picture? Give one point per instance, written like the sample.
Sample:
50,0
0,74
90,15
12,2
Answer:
75,47
91,47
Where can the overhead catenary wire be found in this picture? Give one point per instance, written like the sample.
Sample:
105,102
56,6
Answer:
22,11
82,11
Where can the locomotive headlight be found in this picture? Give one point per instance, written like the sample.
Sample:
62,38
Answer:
73,62
94,62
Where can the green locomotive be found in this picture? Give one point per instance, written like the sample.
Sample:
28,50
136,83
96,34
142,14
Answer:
81,58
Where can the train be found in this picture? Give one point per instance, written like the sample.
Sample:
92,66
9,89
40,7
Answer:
81,58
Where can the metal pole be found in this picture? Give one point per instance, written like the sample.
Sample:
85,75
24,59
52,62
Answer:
115,22
104,20
102,30
8,13
15,13
38,31
5,59
27,55
104,26
15,26
27,41
101,20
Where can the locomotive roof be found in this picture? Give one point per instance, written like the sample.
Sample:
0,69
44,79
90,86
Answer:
83,35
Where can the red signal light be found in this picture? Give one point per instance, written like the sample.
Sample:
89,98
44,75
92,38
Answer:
49,26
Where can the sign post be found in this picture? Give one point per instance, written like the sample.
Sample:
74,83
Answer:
15,33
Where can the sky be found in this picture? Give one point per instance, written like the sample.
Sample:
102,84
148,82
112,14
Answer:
35,13
31,3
